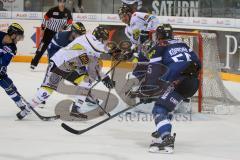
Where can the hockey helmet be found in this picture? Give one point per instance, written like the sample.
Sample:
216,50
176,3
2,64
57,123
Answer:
164,31
15,28
101,33
124,10
78,28
129,2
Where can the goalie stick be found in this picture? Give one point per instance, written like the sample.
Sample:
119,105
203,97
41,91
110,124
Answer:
79,132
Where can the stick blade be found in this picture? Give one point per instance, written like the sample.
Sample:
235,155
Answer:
69,129
50,118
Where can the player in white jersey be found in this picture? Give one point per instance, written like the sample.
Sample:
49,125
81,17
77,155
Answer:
138,24
77,62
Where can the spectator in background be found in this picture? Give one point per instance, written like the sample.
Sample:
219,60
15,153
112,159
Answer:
74,6
28,6
1,6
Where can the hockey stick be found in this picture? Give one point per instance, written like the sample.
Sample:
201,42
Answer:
101,107
43,118
78,132
109,90
110,70
89,92
37,114
124,46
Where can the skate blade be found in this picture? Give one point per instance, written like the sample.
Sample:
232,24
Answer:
166,150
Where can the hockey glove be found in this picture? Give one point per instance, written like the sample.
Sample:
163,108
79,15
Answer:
115,53
147,100
192,70
144,35
126,56
3,71
108,82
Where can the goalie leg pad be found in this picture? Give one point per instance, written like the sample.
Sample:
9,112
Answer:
140,70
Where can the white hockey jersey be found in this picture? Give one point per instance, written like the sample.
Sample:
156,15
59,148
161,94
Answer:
71,57
140,21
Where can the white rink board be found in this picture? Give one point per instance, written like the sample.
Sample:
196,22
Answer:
31,20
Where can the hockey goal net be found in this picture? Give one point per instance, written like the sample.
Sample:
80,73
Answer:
212,95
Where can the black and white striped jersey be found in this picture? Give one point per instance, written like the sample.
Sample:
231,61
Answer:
56,20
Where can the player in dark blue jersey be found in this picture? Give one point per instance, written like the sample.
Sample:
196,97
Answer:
62,39
178,83
8,50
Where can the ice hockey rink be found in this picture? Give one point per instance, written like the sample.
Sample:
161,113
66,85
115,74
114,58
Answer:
206,137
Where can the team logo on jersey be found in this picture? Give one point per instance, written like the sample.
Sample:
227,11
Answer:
84,58
136,34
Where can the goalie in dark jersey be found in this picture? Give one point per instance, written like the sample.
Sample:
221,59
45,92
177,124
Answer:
169,89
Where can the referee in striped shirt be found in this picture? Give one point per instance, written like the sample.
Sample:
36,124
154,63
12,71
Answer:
55,20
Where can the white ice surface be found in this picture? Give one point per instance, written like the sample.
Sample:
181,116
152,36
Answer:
208,137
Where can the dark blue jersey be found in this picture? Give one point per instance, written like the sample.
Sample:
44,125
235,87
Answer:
60,40
7,51
174,54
